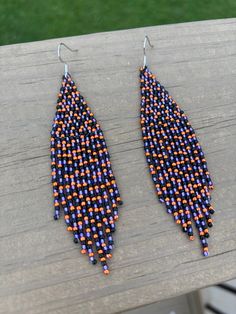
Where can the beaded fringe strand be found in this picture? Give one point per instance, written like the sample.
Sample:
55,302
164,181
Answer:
83,182
175,158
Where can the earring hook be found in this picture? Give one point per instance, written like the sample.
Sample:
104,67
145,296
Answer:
60,58
146,39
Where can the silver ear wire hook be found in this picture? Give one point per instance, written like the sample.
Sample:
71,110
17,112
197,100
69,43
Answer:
146,39
60,58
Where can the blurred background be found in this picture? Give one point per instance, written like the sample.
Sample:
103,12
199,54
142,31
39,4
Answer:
218,299
28,20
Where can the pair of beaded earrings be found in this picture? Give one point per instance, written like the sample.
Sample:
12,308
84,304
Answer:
85,187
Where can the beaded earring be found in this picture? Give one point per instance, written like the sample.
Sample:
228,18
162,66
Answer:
84,186
175,158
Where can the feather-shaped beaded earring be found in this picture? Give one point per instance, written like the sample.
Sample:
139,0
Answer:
84,186
175,158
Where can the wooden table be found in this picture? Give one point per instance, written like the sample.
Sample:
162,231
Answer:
42,270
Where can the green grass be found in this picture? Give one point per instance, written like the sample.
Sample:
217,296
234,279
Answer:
30,20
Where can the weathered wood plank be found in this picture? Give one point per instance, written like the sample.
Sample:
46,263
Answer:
41,269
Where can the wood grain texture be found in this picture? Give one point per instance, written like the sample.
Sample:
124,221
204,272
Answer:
42,270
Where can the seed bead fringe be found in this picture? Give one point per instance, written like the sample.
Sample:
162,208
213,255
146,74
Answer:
83,182
175,158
